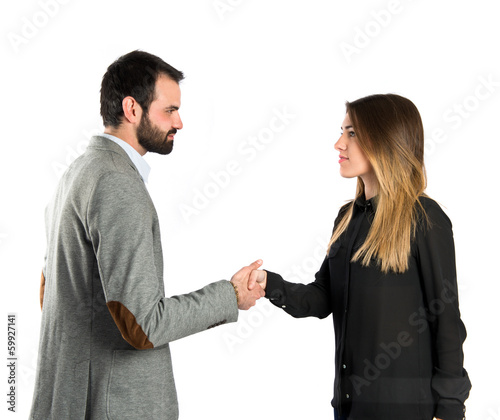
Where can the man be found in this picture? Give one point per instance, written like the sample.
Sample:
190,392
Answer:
106,324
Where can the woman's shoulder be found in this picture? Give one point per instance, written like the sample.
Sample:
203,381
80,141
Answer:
432,212
343,210
345,207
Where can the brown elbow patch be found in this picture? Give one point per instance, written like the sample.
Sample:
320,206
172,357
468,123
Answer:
127,324
42,290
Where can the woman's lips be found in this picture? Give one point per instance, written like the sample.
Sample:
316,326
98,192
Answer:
342,159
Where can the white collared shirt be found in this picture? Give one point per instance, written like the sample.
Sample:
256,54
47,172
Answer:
136,158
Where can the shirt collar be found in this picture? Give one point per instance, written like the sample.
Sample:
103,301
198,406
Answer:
364,204
136,158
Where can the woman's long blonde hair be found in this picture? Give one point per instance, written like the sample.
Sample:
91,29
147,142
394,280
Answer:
389,130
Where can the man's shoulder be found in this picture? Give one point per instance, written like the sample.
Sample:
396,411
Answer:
102,165
101,157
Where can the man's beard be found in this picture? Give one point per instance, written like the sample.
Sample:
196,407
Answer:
152,138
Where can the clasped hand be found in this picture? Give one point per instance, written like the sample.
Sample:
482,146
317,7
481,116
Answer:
250,284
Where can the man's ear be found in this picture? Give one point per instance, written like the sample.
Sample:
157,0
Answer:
132,111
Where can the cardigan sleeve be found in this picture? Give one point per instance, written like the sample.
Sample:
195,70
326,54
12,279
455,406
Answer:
123,228
436,256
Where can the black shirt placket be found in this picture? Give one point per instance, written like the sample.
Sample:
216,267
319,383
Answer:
342,369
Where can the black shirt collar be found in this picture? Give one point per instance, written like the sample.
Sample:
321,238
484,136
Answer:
365,204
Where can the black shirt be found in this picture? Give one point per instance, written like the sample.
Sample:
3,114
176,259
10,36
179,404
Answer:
398,337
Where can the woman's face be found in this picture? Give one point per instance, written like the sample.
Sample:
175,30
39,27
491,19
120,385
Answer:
352,160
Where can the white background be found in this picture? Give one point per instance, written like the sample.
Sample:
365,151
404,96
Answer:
244,61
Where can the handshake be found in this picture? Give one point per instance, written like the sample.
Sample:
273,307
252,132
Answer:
249,284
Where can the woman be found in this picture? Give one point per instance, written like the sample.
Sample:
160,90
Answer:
388,278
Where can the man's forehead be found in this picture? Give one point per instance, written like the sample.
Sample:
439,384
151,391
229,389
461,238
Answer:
167,89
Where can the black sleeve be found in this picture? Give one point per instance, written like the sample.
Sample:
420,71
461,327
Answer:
302,300
436,255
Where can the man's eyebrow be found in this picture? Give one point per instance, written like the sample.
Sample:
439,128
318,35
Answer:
175,108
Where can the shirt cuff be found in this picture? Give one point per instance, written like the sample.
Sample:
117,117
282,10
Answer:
275,289
450,410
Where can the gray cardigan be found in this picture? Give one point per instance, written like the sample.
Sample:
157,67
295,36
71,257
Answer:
106,322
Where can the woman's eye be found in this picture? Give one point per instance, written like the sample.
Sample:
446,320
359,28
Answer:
352,134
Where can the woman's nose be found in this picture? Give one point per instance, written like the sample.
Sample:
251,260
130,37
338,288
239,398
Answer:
340,145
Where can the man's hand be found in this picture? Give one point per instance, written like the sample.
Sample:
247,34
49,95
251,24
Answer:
247,297
257,277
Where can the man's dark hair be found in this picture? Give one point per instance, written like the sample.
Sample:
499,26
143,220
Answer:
133,74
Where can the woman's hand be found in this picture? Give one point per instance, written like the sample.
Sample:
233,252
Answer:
257,276
246,296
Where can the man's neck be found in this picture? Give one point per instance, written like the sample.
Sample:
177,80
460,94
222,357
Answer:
127,137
